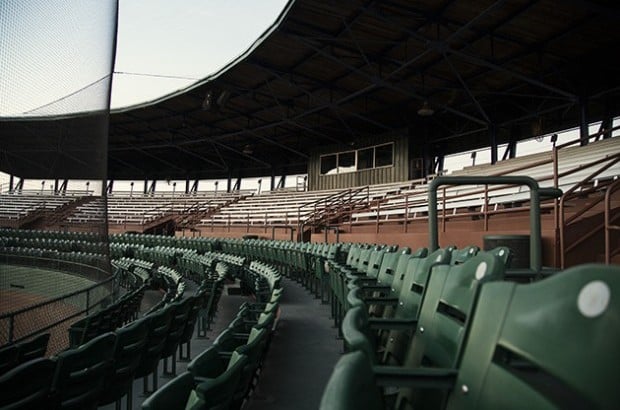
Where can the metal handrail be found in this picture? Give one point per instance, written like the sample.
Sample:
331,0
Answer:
535,194
570,193
608,226
10,316
339,199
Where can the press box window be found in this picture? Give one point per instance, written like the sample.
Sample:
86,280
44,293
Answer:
329,164
365,158
346,162
384,155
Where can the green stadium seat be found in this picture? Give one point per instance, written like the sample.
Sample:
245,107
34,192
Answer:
173,395
80,373
180,311
158,323
33,349
9,357
128,350
190,325
352,385
220,391
383,305
544,345
445,314
28,386
549,344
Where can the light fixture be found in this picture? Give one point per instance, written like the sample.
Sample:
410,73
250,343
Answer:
207,103
425,110
247,149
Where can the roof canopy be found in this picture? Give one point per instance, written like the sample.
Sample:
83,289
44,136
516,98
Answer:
340,72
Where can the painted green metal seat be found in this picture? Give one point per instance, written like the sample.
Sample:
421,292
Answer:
173,395
128,350
434,338
28,386
180,312
549,344
352,385
544,345
214,365
409,302
9,358
34,348
158,323
80,373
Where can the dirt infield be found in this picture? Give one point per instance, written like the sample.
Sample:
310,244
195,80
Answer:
34,319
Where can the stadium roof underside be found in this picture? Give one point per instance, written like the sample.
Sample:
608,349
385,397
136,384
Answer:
340,72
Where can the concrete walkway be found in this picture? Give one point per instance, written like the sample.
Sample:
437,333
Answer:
302,355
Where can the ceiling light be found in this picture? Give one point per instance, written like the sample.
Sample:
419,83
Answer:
426,110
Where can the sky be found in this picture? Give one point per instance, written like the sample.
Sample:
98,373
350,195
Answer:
55,55
164,45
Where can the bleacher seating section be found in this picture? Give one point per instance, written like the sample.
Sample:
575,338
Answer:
141,209
410,321
429,328
391,202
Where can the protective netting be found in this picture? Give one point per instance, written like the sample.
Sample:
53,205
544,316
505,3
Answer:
56,65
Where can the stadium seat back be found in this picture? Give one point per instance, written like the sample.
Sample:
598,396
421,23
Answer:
172,395
445,318
219,392
352,385
27,386
416,279
34,348
9,357
80,373
128,350
548,344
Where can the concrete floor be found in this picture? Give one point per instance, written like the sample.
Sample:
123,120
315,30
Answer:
303,351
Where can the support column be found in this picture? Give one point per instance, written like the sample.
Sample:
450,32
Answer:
583,121
493,142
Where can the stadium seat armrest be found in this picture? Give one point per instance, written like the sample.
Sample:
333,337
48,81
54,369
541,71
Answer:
426,378
380,301
375,287
392,324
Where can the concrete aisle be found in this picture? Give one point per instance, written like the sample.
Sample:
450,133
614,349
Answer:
227,310
302,356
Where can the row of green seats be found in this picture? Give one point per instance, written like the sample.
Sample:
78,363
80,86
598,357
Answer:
199,244
117,314
224,375
14,354
46,234
480,342
93,259
61,245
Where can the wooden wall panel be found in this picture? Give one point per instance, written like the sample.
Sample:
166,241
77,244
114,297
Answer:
398,172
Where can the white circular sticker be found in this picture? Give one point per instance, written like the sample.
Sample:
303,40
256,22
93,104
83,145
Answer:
593,298
501,252
438,258
481,270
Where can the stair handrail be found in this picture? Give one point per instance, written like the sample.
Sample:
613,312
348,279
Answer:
340,198
608,226
607,162
535,196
